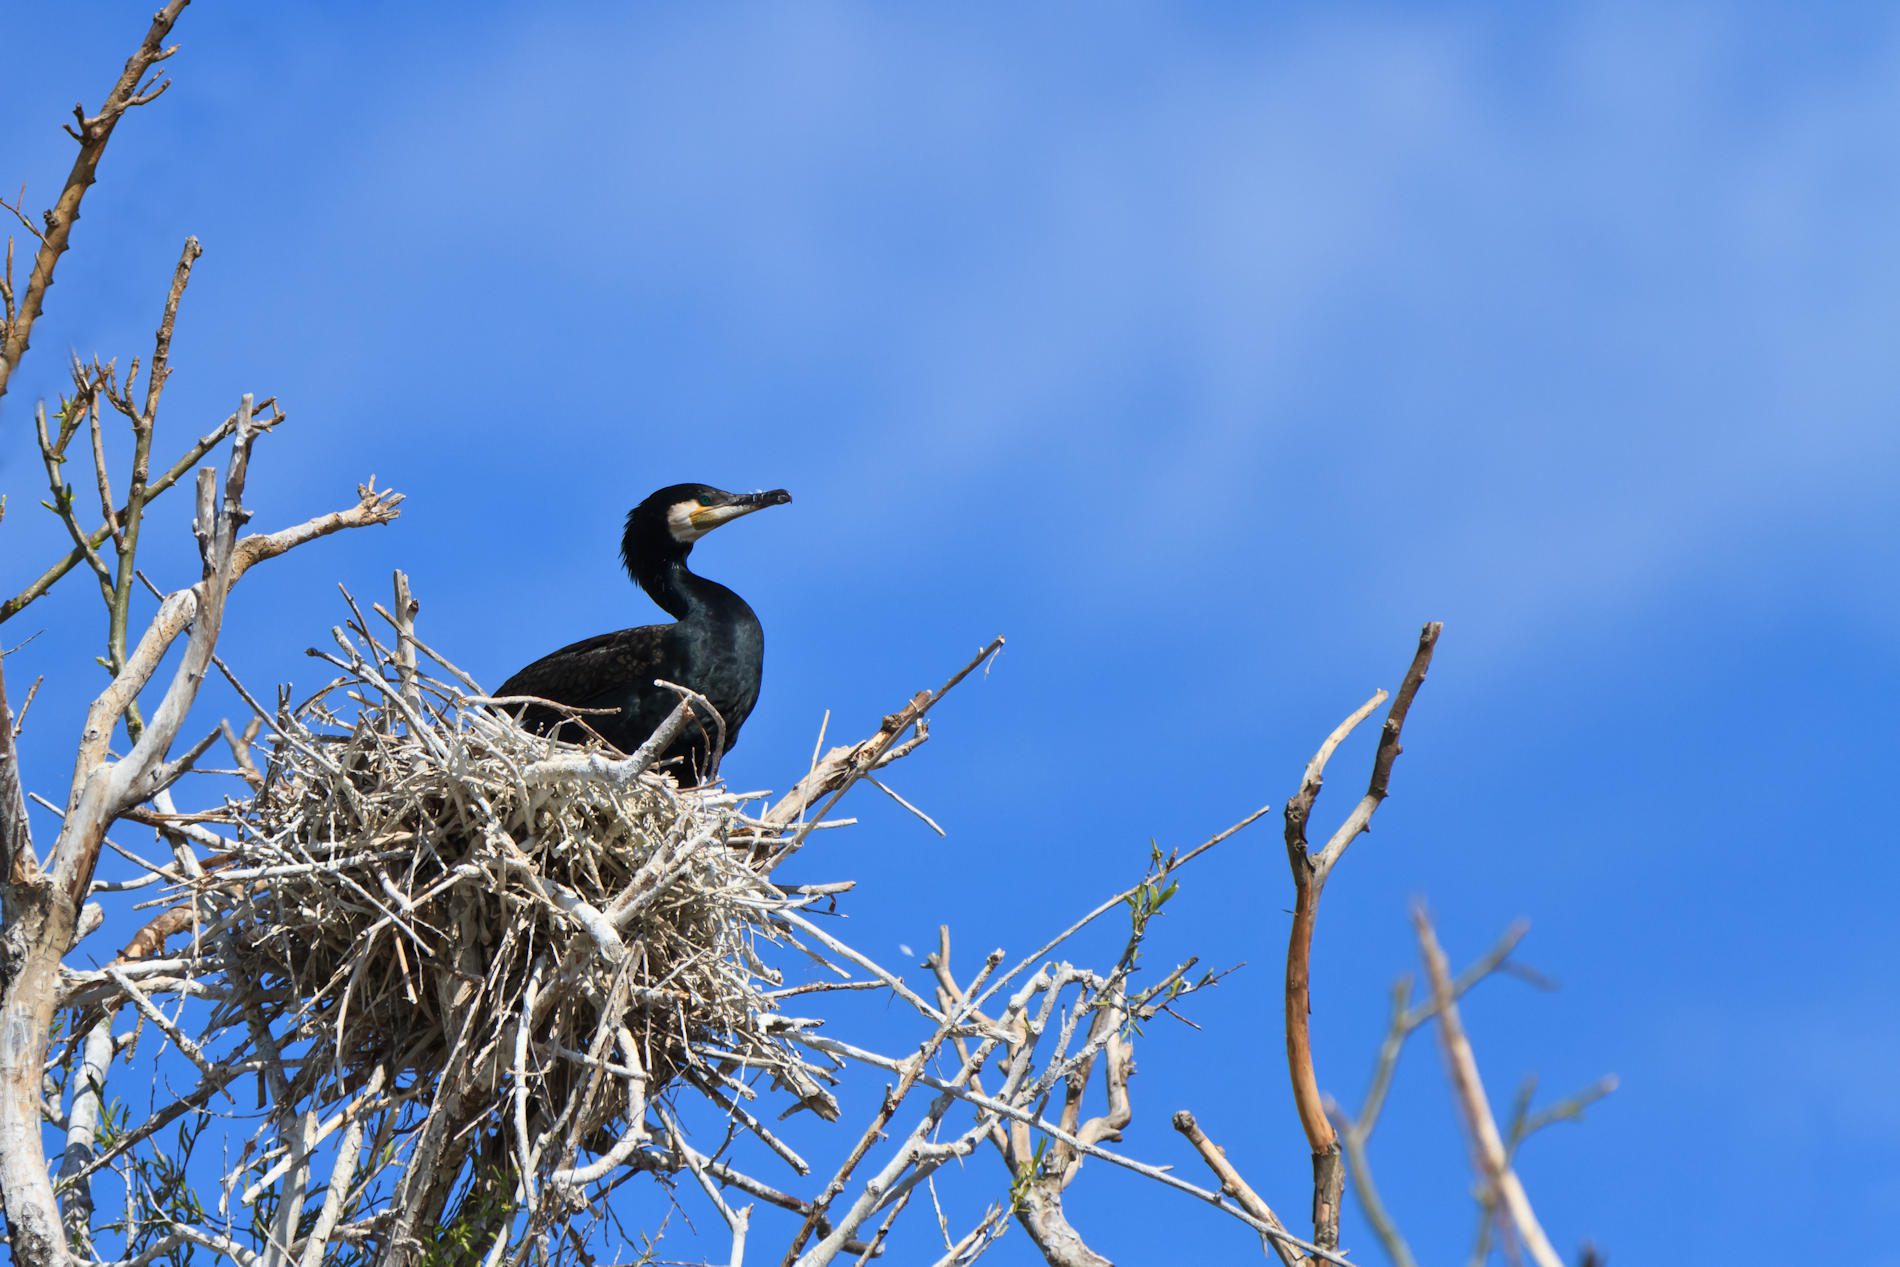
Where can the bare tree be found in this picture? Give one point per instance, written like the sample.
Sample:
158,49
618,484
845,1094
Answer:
480,979
42,897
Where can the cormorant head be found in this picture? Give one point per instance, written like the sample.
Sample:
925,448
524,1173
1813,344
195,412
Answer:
666,524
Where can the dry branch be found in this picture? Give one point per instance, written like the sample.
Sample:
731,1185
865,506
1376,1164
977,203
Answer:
132,89
1234,1186
1494,1163
1310,872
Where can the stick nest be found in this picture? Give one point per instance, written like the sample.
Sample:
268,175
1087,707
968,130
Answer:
426,893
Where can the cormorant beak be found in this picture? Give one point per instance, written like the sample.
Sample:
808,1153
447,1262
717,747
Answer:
706,518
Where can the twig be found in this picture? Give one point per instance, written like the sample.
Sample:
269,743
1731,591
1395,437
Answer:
1356,1133
1309,879
342,1171
1234,1186
18,865
1494,1165
843,767
1119,900
94,132
144,423
186,462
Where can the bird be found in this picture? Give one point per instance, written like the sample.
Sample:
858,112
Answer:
714,646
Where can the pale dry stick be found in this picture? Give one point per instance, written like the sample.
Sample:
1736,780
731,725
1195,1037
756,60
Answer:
98,1051
1524,1124
926,819
295,1129
187,985
241,744
928,1156
131,89
1041,1178
90,918
103,789
87,387
1569,1109
655,877
636,1136
18,208
352,662
623,1149
17,861
621,772
851,955
953,999
151,1012
434,1139
355,1111
817,747
896,1210
977,1239
887,1108
1356,1133
529,997
733,1109
19,718
342,1172
1462,1067
850,764
1310,873
1236,1187
1118,900
702,708
407,608
737,1221
328,866
605,1035
187,1234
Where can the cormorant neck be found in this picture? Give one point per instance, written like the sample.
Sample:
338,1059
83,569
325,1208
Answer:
684,594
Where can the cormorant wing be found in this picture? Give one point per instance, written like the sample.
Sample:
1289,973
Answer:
595,672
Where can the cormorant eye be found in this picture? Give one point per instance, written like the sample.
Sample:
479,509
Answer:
705,499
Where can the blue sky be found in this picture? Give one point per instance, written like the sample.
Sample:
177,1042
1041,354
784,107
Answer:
1204,352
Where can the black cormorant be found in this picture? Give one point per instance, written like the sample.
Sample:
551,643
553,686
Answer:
715,646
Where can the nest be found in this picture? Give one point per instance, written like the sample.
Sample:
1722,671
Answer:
426,897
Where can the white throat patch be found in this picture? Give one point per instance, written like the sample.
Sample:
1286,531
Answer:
679,522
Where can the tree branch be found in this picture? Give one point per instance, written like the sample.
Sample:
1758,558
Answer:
1494,1164
94,132
1234,1186
1310,872
144,422
18,865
